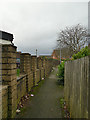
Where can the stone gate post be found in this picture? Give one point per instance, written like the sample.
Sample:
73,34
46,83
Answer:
34,69
40,66
26,67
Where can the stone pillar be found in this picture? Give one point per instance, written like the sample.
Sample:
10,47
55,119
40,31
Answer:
34,69
40,66
9,76
44,67
39,63
26,67
47,67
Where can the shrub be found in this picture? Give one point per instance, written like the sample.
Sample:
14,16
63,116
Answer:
61,73
82,53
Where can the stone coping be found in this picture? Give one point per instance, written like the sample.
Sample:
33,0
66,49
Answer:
25,54
22,75
5,45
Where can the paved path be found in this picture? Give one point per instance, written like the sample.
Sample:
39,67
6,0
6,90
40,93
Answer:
46,103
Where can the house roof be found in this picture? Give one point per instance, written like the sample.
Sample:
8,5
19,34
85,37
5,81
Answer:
56,52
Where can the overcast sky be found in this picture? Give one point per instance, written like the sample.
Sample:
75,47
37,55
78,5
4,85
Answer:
35,25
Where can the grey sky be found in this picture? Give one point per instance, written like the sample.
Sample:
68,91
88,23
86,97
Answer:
37,24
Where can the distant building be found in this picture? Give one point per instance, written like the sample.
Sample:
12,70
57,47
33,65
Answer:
55,54
65,53
6,38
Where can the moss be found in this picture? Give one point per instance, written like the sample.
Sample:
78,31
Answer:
18,72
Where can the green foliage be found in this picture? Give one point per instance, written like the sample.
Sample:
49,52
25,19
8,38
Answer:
62,102
18,72
61,73
82,53
61,70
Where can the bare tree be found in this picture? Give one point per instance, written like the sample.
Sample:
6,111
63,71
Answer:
73,37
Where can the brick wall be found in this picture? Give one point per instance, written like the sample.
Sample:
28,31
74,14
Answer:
21,86
32,70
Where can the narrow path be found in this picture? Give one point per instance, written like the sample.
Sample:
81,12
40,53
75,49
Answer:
46,103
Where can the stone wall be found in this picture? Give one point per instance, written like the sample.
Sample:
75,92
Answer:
34,70
45,67
77,87
4,100
21,86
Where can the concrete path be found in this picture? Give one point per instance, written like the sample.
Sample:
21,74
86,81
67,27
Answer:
46,103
